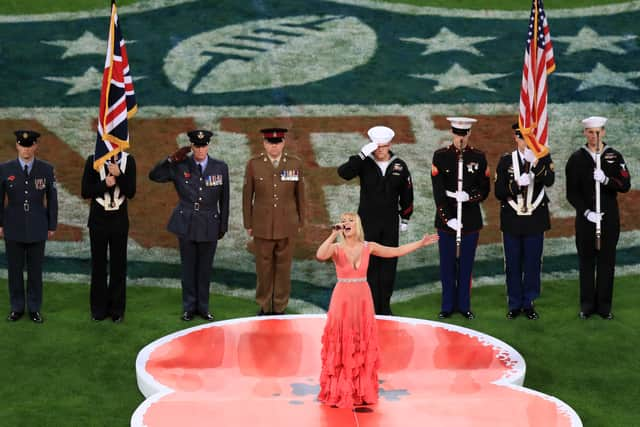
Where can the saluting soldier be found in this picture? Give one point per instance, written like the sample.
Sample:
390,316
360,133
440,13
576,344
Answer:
521,179
597,266
201,217
386,205
28,219
109,191
450,192
273,206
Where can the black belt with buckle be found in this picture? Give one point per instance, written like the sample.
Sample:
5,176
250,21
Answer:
196,206
26,206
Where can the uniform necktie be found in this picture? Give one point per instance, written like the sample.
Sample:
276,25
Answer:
200,168
275,163
26,171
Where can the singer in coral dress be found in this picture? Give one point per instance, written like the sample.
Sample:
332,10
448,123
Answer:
350,354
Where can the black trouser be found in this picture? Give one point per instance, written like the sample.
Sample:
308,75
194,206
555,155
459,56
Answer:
197,260
381,274
19,254
597,268
108,300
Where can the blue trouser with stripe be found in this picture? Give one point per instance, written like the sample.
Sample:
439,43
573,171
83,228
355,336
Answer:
455,275
523,260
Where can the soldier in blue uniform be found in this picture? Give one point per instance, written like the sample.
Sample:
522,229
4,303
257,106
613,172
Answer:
521,179
109,191
455,273
29,218
386,205
597,266
201,217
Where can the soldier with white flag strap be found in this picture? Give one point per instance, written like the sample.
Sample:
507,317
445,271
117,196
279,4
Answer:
109,191
521,179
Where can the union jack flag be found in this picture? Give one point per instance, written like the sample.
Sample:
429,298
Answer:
538,63
117,98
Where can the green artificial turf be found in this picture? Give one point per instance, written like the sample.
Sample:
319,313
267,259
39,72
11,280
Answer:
503,4
14,7
71,371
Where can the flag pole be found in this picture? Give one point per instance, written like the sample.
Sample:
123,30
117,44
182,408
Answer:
598,220
459,203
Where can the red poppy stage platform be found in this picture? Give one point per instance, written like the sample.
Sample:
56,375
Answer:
263,372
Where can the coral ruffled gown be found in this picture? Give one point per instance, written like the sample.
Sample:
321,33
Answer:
350,356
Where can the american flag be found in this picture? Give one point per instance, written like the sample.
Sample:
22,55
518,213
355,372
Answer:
538,63
117,98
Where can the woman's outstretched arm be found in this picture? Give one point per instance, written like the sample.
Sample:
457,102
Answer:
392,252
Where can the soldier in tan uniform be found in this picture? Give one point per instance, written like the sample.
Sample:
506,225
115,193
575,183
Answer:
273,207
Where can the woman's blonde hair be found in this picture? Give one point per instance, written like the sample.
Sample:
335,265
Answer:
359,229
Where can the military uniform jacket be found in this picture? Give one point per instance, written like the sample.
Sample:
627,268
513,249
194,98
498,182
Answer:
202,212
507,189
273,199
475,181
382,197
94,187
31,210
581,191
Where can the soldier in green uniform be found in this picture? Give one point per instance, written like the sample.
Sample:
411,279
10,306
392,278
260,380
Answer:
273,205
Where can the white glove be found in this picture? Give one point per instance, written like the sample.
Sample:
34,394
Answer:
599,176
462,196
453,223
594,217
369,148
529,156
524,180
404,225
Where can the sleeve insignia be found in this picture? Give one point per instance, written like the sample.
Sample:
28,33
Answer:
434,170
623,171
487,172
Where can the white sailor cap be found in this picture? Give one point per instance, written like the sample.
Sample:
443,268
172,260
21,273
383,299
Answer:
594,122
381,135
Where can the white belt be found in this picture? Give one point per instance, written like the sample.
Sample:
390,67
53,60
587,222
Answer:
519,205
353,280
108,202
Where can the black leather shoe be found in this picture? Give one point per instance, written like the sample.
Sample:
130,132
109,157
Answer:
607,316
468,314
512,314
14,315
583,315
186,316
262,313
97,318
36,317
117,318
532,314
444,315
207,316
277,313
